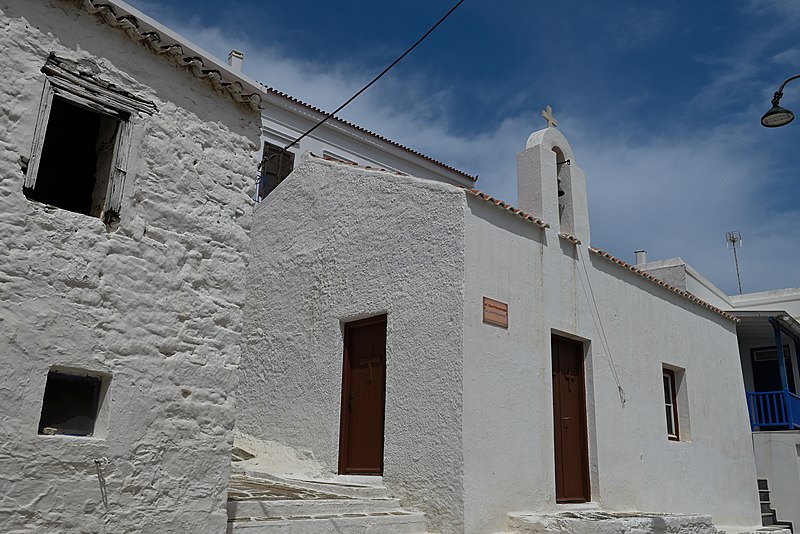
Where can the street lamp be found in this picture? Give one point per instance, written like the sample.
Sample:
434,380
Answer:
778,116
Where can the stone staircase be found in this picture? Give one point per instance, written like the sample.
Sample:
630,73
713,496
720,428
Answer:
602,522
768,515
261,503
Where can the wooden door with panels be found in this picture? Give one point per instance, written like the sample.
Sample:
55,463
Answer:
569,422
363,397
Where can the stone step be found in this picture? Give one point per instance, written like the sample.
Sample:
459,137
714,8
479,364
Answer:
358,487
597,522
316,507
395,522
272,504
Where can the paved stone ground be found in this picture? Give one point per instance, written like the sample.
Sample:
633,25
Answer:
243,488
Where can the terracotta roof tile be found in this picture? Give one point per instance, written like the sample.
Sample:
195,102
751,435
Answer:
508,207
663,284
153,40
569,237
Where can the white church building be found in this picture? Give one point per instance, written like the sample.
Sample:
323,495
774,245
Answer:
484,363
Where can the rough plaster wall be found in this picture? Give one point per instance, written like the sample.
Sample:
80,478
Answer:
508,439
334,243
778,460
155,303
674,275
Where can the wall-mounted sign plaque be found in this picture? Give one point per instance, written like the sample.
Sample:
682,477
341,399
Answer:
495,312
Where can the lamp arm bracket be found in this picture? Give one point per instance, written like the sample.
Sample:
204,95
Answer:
779,93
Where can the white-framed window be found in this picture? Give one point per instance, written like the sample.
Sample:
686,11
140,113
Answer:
769,354
671,404
81,143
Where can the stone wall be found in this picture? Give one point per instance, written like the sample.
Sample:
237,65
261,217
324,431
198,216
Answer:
153,303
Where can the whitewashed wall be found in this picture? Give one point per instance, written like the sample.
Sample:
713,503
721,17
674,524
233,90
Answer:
508,421
335,243
508,396
283,122
778,460
155,303
777,300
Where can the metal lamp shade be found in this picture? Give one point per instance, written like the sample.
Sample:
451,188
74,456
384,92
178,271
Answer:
777,116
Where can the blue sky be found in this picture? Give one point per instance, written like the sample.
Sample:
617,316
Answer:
660,100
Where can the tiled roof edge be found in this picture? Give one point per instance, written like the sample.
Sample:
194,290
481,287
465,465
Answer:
663,284
569,237
107,12
508,207
299,102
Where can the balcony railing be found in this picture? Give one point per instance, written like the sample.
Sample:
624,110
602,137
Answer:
773,410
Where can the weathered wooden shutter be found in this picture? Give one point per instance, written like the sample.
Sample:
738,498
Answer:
119,172
38,136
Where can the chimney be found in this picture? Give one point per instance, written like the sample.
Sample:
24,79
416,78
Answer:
641,256
235,59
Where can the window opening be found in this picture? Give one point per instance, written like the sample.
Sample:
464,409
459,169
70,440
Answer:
766,371
76,159
564,192
275,167
79,156
670,404
70,404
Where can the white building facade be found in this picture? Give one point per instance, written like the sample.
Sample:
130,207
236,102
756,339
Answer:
767,326
124,216
515,368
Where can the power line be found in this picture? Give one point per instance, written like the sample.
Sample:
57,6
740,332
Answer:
598,325
375,79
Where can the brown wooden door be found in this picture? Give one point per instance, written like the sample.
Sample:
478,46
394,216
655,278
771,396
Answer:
569,422
363,397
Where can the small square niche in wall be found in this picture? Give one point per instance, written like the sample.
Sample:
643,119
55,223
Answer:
71,403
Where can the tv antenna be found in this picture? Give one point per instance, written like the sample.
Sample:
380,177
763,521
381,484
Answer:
734,241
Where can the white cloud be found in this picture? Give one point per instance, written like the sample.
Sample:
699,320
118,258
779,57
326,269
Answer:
674,196
790,57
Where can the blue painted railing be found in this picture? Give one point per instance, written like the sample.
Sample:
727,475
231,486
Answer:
771,409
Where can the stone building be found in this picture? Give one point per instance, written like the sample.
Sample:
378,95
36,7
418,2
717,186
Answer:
125,207
483,363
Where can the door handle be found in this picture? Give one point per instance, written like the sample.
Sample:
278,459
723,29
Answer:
350,402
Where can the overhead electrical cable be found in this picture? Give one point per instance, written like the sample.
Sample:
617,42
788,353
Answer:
375,79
